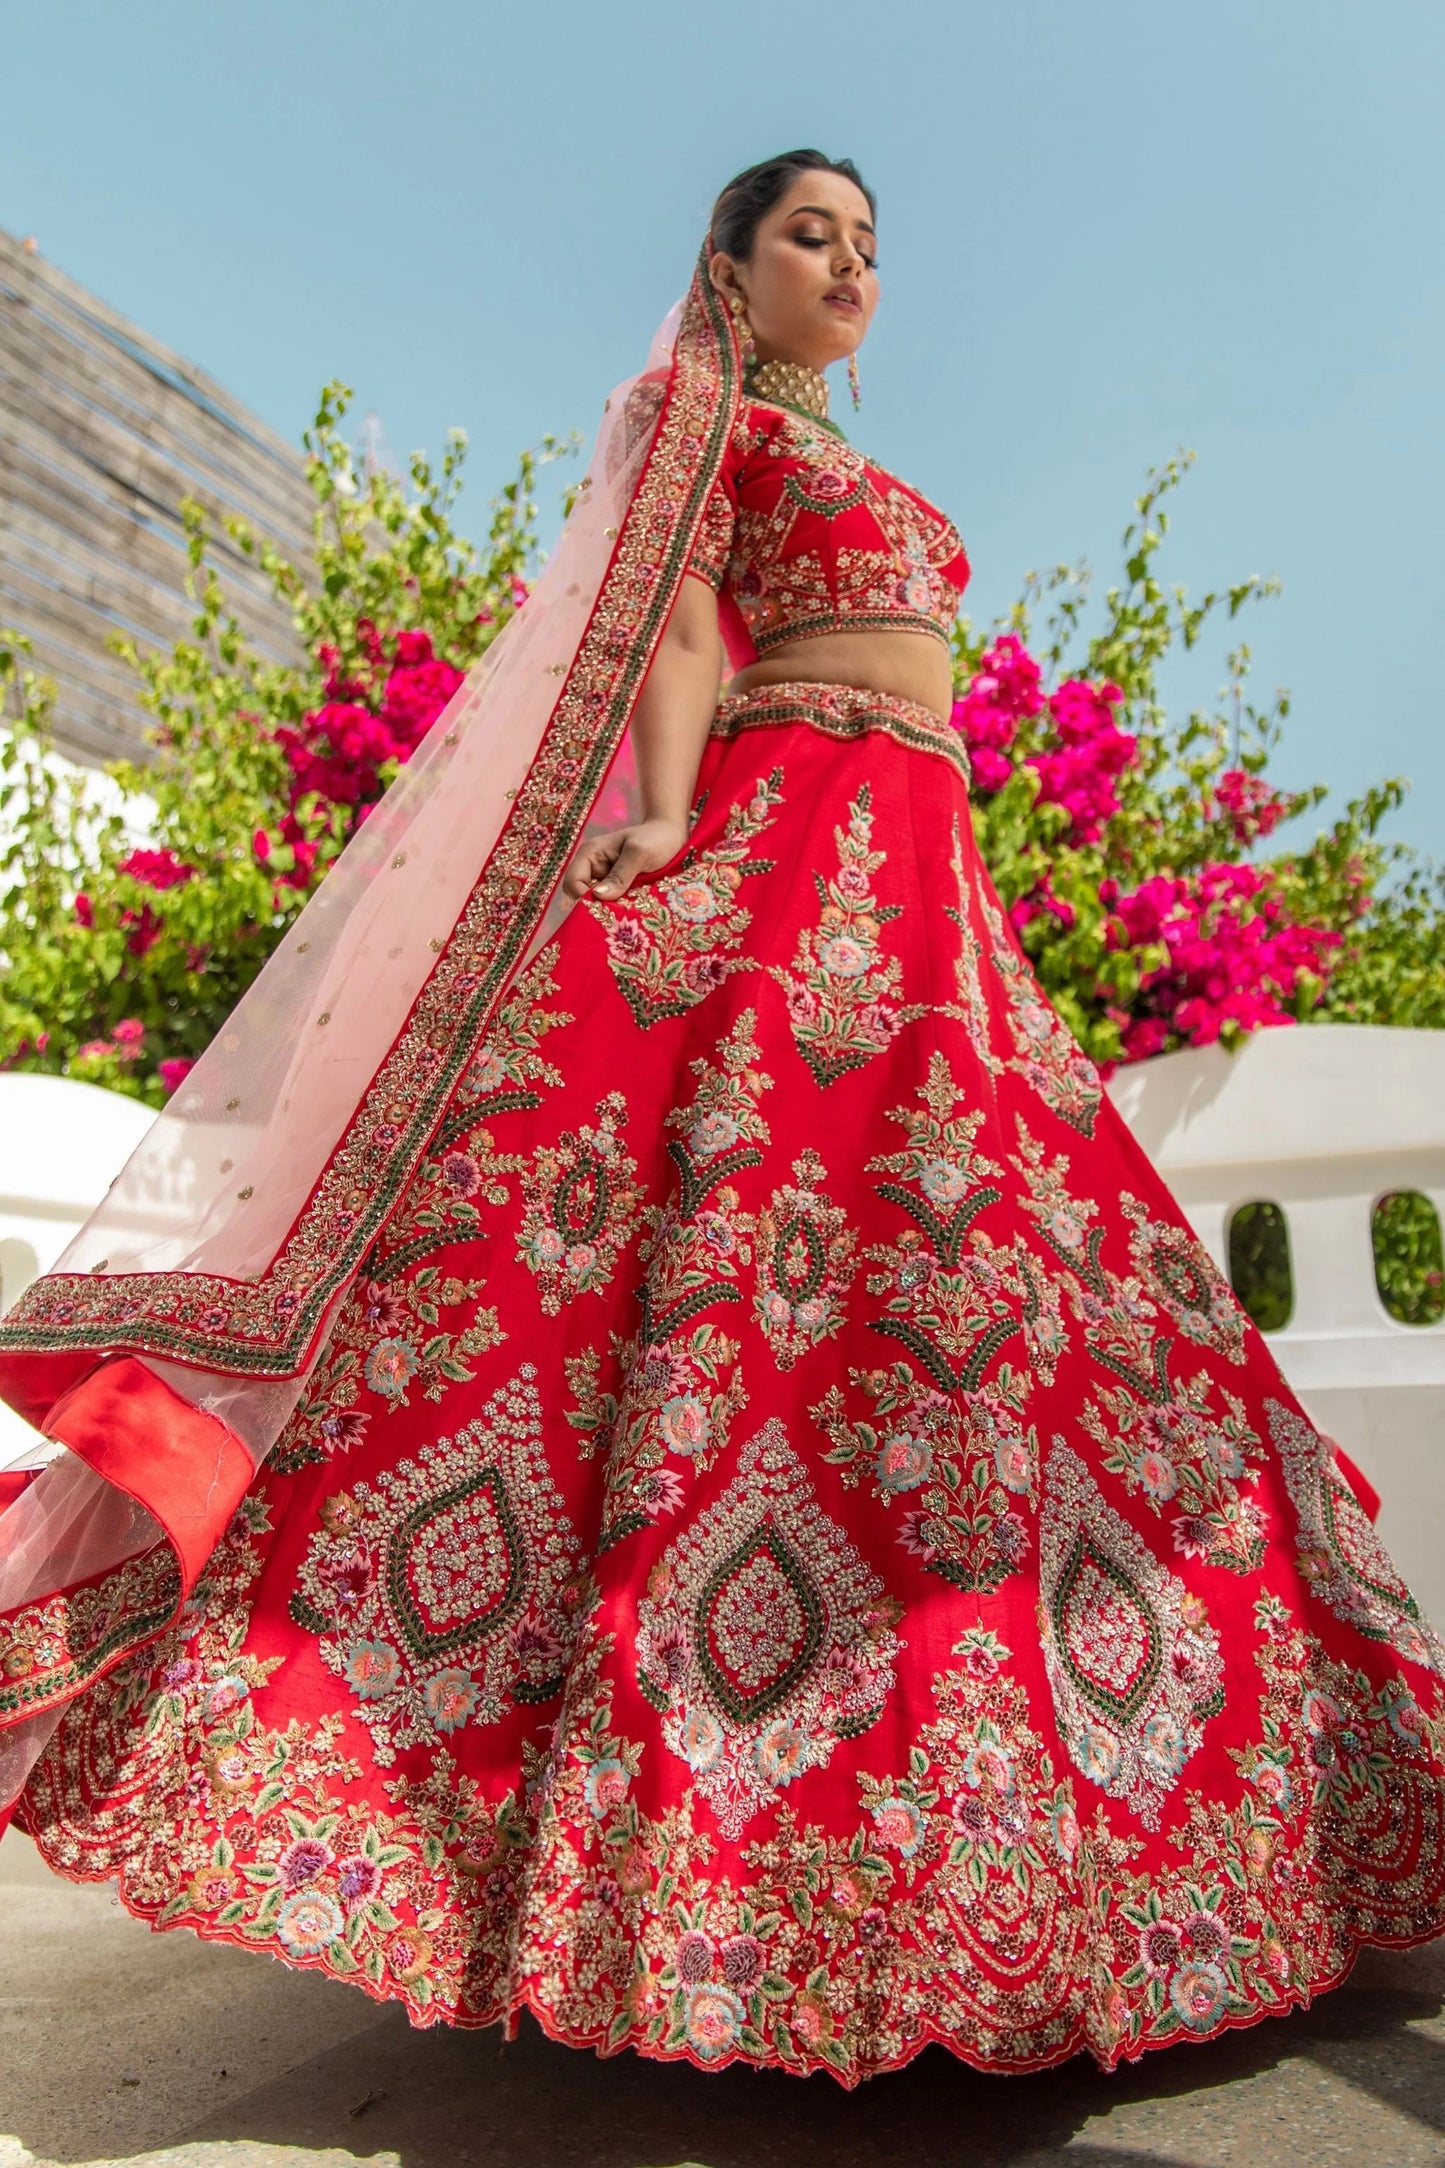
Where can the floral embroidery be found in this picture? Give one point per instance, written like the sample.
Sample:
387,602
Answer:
1159,1432
763,1638
971,1007
1185,1281
1047,1055
842,990
843,712
507,1070
679,1390
581,1207
50,1648
804,1252
952,1313
1133,1664
668,941
1179,1452
1340,1556
960,1869
450,1586
824,539
959,1467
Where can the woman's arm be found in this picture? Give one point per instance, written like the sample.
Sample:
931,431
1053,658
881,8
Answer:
669,727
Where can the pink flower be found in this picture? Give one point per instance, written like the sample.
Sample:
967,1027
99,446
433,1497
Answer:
1003,692
130,1031
1092,754
1251,806
1235,961
156,869
84,911
261,845
146,929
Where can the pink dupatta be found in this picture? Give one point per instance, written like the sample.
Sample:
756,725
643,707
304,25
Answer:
172,1340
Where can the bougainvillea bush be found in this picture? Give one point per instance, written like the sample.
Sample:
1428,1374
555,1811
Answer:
1138,855
1144,860
121,961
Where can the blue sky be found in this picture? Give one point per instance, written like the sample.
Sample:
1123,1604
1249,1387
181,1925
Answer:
1108,229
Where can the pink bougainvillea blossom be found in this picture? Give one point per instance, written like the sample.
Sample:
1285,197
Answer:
1251,806
1236,961
156,869
339,750
1004,691
1080,773
173,1073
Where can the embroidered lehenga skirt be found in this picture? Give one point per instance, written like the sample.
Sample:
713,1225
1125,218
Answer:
792,1551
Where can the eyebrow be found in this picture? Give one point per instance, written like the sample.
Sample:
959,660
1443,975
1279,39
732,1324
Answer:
819,212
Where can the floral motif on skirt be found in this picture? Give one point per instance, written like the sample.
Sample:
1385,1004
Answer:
792,1550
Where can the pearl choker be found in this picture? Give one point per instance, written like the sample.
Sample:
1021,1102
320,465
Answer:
792,384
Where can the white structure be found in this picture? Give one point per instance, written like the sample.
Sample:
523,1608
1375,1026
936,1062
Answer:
1321,1122
61,1146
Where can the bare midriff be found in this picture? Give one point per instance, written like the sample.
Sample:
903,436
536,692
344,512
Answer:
905,665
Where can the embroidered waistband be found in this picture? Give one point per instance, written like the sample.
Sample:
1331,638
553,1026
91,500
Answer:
842,711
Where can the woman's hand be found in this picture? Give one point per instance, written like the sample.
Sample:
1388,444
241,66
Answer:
609,864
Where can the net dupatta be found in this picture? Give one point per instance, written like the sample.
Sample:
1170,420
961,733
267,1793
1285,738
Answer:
173,1338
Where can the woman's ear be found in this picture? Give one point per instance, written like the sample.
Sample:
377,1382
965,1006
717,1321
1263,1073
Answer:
724,275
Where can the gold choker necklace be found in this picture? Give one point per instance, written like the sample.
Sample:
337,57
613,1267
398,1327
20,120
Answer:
790,383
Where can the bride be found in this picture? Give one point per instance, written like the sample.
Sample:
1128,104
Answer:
640,1442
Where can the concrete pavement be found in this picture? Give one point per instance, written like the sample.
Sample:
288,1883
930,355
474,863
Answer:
123,2049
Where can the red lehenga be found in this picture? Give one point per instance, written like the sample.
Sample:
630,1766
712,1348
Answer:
787,1549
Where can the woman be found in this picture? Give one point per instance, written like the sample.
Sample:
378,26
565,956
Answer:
680,1470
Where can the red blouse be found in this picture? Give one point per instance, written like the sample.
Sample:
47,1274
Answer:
802,535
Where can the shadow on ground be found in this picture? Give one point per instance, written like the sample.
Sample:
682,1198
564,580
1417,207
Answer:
117,2043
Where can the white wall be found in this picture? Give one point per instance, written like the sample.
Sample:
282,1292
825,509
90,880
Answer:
1323,1121
61,1146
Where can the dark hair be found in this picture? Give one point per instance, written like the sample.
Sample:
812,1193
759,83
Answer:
748,198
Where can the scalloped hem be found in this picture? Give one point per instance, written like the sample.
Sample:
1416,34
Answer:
527,2001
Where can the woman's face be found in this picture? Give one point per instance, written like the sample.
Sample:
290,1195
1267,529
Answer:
809,284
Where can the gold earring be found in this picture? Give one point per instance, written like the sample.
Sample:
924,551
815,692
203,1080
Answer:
744,329
853,384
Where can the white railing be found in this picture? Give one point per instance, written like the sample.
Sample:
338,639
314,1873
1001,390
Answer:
1323,1122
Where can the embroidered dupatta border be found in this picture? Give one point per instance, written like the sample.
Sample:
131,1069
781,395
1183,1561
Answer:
268,1327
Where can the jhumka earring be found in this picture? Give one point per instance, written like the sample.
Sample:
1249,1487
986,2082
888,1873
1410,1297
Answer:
744,329
853,384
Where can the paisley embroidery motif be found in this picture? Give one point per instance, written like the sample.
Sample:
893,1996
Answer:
1340,1556
1046,1055
669,941
1185,1281
1133,1664
842,990
763,1638
581,1207
804,1262
449,1588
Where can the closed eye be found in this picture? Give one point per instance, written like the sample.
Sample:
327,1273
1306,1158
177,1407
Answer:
818,240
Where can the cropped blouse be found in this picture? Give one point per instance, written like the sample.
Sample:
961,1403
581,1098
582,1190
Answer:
802,535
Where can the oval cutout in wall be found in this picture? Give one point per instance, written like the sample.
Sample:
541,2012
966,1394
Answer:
1409,1262
1260,1271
